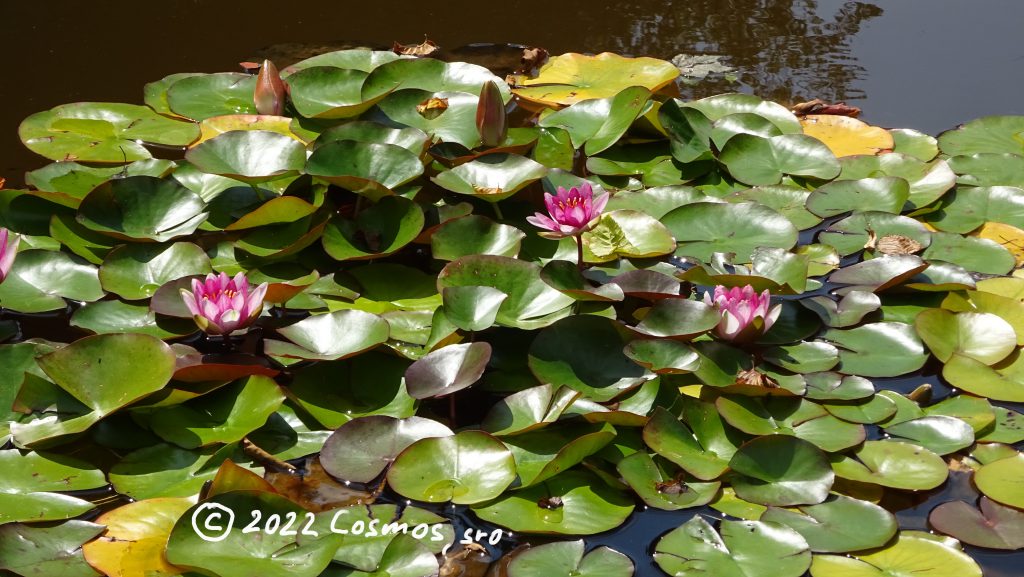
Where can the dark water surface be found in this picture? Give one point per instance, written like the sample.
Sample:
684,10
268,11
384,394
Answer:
924,64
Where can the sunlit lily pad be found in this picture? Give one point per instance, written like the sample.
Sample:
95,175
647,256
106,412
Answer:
938,433
914,143
54,549
995,134
1002,480
136,271
892,464
838,525
928,181
142,207
206,95
492,177
40,280
851,235
447,370
566,559
331,336
329,92
466,468
983,337
249,155
627,233
102,132
360,449
791,417
659,489
703,451
721,105
596,124
755,160
570,78
884,349
572,503
909,555
527,410
846,136
885,194
372,169
703,228
742,548
135,537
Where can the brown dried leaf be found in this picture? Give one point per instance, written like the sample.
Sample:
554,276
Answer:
818,106
551,503
422,50
532,58
755,378
892,244
432,107
317,491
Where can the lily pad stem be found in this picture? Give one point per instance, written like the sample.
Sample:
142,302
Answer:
497,211
264,458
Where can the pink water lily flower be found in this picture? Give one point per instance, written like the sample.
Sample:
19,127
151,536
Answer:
571,212
222,305
746,315
8,250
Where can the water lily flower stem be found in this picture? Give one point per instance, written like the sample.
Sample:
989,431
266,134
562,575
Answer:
579,251
264,458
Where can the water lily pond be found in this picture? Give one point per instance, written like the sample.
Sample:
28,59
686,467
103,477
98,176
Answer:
372,313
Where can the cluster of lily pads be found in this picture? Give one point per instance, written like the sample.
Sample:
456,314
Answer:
388,289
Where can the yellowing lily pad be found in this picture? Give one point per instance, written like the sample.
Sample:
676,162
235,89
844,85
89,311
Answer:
1011,237
847,136
133,545
572,77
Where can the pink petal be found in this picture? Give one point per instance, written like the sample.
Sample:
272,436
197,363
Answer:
599,204
541,221
190,302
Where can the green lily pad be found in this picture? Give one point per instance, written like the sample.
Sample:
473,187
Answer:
994,134
975,411
356,58
1008,427
412,139
884,194
938,433
989,169
475,234
869,409
967,208
364,447
566,277
657,201
847,311
585,353
789,201
914,143
1002,480
224,416
566,559
329,92
663,356
756,160
571,503
928,181
251,156
206,95
142,207
530,301
742,548
379,230
885,349
528,410
102,132
850,235
330,336
722,105
789,416
275,554
703,228
703,451
116,316
67,180
879,274
598,123
135,366
1003,382
47,550
336,392
659,489
838,525
136,271
909,555
472,308
368,168
974,254
781,471
541,454
492,177
40,280
983,337
447,370
466,468
803,357
165,470
892,464
680,319
990,525
627,233
833,386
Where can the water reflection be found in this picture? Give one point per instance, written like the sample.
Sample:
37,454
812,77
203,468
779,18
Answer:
783,50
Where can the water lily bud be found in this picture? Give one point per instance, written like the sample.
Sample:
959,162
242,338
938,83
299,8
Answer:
746,315
222,305
270,90
8,250
571,212
491,120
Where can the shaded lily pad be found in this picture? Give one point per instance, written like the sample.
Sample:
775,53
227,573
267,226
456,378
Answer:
377,231
990,525
142,207
364,447
595,124
755,160
585,353
56,549
781,471
447,370
136,271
